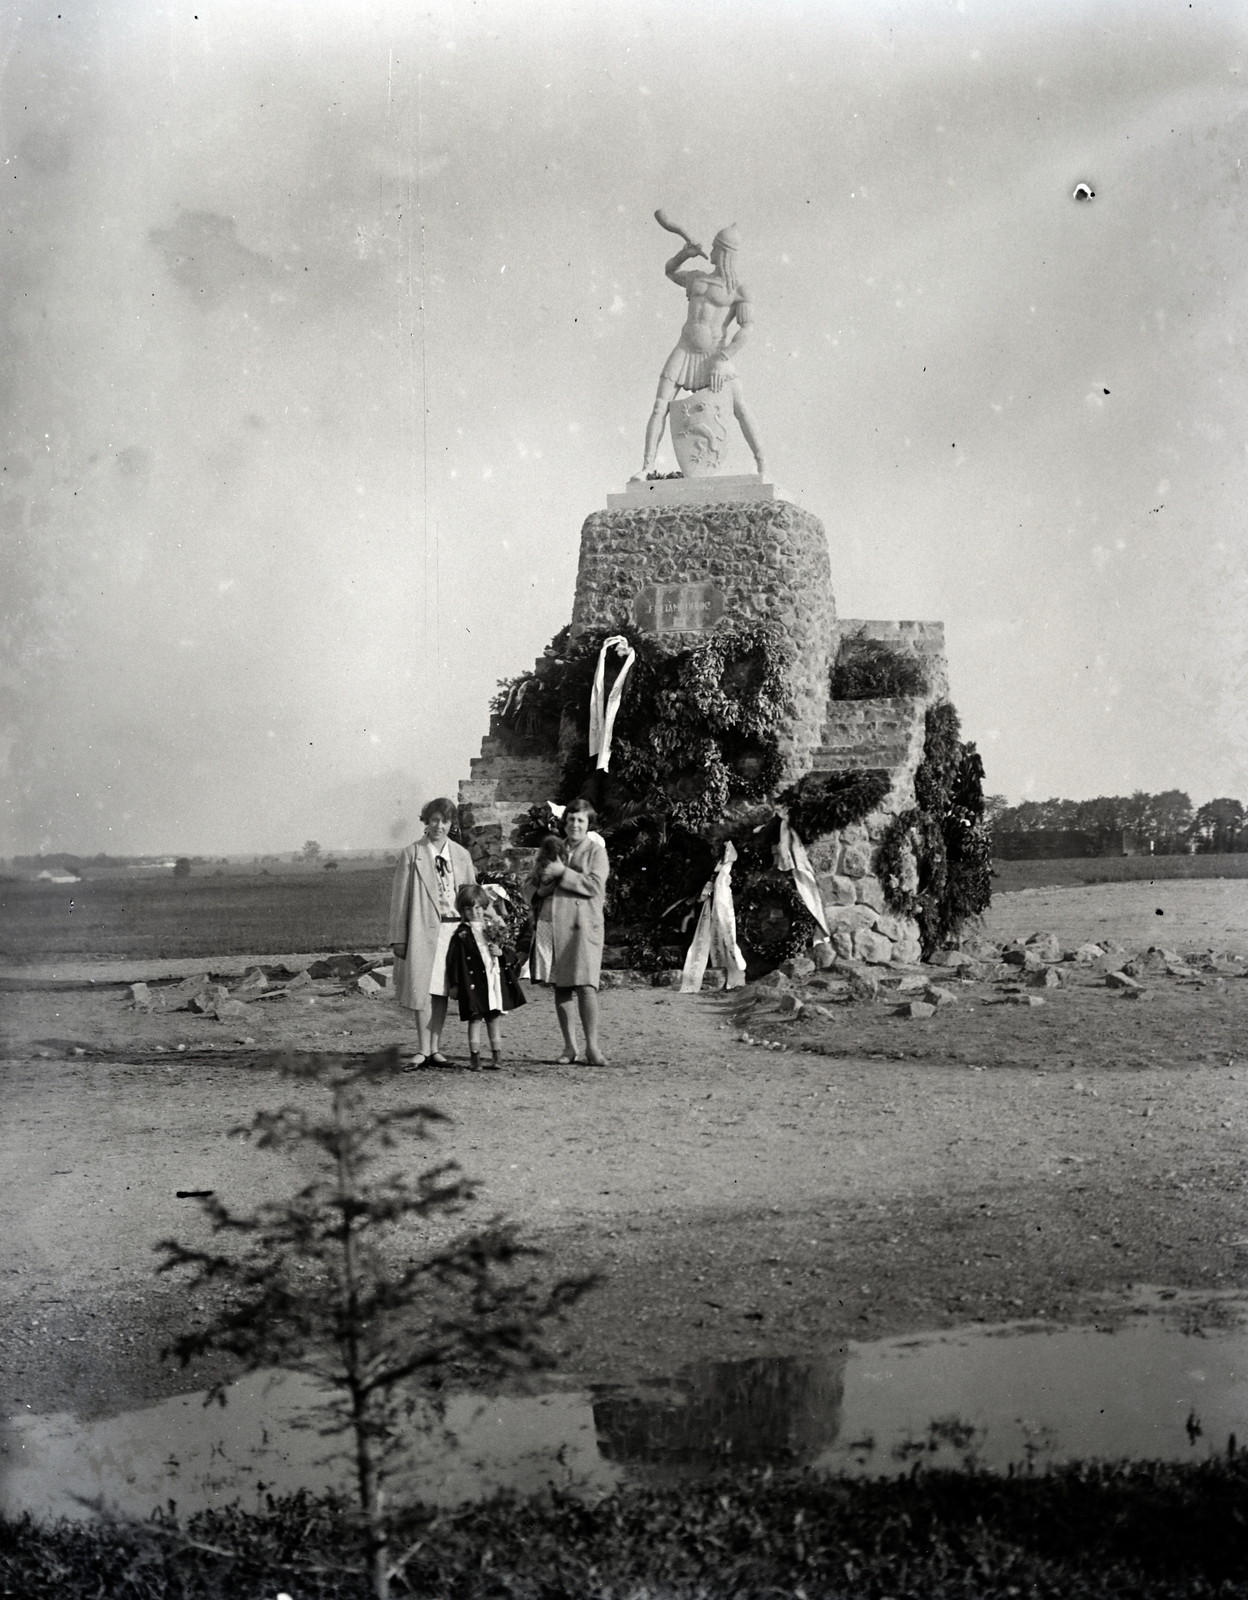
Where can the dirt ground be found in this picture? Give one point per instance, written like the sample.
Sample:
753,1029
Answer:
853,1174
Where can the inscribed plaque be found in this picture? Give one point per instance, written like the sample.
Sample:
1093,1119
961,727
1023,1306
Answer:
678,607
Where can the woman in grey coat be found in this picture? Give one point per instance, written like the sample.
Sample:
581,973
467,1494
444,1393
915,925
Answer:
422,919
577,889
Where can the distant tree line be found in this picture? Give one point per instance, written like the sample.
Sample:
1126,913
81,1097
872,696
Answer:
68,862
1160,824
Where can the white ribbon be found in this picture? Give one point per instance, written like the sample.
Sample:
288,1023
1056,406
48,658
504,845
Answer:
715,937
602,718
791,857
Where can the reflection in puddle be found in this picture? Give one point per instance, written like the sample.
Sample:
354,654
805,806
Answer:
1163,1385
726,1413
1158,1387
259,1443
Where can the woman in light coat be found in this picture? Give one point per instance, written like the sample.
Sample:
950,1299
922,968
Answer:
422,920
577,889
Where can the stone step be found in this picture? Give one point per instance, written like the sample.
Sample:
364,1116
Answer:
841,758
477,791
886,703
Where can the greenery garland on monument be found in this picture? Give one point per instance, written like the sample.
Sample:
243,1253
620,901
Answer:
695,749
935,860
694,729
695,761
825,802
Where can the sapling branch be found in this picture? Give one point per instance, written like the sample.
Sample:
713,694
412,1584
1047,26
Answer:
336,1281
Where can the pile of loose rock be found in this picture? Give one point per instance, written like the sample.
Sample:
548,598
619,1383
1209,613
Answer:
1020,973
229,1000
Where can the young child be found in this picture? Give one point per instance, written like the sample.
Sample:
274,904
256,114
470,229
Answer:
542,956
479,974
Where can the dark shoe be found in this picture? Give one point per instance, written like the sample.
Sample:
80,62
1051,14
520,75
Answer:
494,1064
474,1061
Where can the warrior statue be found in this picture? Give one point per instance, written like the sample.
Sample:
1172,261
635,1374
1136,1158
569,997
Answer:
708,341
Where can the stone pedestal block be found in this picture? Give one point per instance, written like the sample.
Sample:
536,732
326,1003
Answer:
670,569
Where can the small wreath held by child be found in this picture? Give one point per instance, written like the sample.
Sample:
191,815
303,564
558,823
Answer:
480,972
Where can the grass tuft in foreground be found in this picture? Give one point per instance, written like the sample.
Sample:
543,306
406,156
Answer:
1148,1530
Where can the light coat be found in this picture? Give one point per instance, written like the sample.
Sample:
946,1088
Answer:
577,914
415,917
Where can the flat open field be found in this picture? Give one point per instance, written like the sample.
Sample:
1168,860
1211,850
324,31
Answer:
879,1175
149,916
141,915
1013,875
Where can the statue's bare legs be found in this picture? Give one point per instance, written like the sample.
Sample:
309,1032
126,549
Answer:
748,430
655,426
658,421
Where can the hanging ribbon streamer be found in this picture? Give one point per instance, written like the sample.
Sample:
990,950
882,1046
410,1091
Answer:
715,937
602,717
791,857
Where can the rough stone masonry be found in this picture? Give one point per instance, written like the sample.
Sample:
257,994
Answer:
669,554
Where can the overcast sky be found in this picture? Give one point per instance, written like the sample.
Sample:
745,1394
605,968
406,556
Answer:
324,329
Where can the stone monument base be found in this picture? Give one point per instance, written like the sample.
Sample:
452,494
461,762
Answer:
681,558
692,492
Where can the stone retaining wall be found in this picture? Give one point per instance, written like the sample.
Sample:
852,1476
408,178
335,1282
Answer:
868,733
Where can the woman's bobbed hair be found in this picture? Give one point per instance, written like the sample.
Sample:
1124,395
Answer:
583,805
441,807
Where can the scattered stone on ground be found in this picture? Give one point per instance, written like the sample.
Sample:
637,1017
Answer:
981,972
203,995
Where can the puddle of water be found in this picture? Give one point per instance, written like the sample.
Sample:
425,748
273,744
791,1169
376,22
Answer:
1141,1391
1169,1383
259,1443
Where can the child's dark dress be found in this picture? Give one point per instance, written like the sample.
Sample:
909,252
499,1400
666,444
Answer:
484,984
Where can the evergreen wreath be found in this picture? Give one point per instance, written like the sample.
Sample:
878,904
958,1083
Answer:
530,704
537,823
772,922
825,802
736,680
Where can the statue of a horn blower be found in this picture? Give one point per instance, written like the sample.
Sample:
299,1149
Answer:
716,327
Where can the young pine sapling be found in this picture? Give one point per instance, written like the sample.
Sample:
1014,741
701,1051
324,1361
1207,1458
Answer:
337,1281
